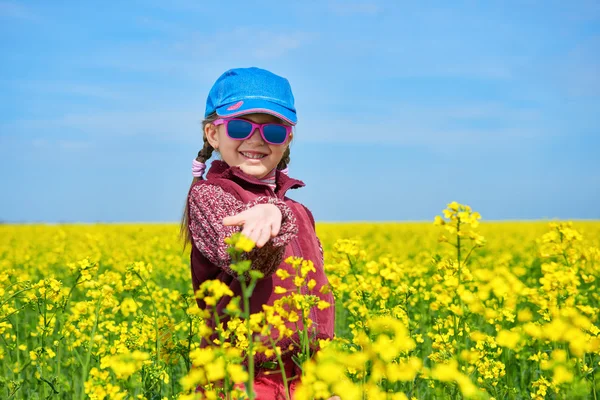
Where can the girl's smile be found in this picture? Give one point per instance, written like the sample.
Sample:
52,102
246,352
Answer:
252,155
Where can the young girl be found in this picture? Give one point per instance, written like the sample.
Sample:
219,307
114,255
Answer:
248,120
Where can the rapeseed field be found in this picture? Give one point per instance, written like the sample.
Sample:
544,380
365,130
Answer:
453,308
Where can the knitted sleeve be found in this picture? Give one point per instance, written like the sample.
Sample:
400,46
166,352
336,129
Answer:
209,204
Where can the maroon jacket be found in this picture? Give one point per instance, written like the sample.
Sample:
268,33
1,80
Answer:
228,191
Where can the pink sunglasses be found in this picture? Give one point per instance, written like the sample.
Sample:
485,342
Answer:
241,129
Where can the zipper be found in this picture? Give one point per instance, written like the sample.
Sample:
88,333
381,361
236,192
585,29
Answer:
296,247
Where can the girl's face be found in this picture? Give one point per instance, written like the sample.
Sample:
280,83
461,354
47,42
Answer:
235,152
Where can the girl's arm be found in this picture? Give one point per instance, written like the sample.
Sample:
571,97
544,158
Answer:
209,204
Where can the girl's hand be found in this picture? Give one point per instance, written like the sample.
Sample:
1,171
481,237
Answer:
261,222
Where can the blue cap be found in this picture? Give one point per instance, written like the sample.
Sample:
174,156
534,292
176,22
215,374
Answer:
242,91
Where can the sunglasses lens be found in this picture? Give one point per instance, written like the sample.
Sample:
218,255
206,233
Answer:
275,133
238,129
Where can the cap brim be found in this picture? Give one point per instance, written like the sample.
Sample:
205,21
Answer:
250,106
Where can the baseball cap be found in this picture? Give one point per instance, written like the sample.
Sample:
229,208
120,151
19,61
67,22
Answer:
242,91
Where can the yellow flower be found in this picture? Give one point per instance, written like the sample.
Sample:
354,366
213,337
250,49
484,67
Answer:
245,243
293,316
508,339
561,375
322,304
210,300
306,267
128,306
193,378
438,220
202,356
237,373
449,372
445,372
403,371
559,355
126,364
215,370
282,274
524,315
280,290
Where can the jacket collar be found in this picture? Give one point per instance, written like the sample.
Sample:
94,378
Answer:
220,169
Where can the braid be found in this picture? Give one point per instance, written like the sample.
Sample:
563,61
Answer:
206,152
207,149
203,156
285,160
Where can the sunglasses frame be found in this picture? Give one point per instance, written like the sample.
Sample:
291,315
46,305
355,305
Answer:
225,121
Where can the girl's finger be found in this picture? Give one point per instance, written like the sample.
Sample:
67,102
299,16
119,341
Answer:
237,219
275,227
265,235
255,235
248,229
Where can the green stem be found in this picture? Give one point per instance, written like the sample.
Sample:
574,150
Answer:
469,254
593,376
250,386
157,345
5,318
76,353
44,332
458,251
49,383
14,295
17,337
188,362
67,299
306,347
221,344
84,372
281,368
58,358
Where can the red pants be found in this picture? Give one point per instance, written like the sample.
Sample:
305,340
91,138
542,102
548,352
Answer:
268,384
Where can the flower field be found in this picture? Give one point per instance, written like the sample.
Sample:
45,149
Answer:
454,308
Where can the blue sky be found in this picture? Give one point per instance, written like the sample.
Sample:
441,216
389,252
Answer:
402,107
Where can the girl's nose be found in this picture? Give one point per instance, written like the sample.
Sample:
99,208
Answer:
256,137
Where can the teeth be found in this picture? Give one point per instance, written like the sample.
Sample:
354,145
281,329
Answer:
252,155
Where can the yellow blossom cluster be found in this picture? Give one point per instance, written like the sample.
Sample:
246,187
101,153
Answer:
489,310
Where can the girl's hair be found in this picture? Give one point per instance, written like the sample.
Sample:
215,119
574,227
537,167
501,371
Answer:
203,156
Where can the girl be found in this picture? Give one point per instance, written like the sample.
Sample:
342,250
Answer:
248,120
